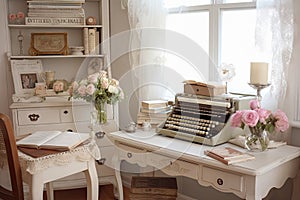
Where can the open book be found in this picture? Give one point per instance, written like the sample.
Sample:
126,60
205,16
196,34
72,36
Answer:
53,140
228,155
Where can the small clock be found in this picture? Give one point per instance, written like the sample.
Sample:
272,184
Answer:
90,20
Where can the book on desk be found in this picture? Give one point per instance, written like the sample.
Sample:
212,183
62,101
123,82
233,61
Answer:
228,155
55,140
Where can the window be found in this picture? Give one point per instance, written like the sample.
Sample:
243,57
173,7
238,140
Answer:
224,29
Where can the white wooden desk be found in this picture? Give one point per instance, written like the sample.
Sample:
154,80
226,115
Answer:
251,180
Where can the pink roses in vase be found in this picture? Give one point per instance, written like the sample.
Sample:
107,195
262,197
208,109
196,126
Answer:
260,120
99,89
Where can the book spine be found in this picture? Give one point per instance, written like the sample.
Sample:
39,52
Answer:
155,191
55,14
80,10
155,111
54,6
86,41
97,41
56,1
212,155
91,38
54,21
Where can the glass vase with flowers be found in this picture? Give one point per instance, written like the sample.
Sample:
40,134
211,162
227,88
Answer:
98,89
260,122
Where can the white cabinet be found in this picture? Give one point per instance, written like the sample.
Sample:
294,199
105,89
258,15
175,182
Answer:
60,114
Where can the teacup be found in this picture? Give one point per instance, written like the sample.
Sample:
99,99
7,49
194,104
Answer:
146,126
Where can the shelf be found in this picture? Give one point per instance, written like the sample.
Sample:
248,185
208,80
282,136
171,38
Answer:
56,56
52,26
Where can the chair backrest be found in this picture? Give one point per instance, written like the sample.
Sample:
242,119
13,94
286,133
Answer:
8,147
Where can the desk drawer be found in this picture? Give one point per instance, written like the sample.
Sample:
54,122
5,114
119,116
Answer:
23,130
182,168
222,180
132,155
38,116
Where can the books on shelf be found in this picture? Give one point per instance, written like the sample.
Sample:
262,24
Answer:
55,12
91,41
228,155
49,12
163,187
53,140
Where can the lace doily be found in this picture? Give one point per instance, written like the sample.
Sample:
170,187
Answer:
82,153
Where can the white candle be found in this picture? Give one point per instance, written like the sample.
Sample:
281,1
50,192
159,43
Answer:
259,73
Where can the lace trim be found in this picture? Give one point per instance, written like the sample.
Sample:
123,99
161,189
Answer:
82,153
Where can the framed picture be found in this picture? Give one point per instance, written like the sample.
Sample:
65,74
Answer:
48,44
26,73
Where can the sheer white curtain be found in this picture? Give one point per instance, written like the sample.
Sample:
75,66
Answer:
147,25
274,37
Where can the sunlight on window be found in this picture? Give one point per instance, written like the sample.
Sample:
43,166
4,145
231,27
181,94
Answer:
238,46
195,26
237,1
178,3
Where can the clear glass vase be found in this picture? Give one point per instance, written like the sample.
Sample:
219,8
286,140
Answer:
257,140
101,112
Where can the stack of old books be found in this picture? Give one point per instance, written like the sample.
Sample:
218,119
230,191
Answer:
153,111
153,188
55,12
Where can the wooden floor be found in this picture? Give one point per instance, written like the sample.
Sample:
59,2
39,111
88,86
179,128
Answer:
105,193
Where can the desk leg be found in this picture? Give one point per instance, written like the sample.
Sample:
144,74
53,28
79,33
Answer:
296,186
92,181
37,187
117,162
253,197
49,189
252,193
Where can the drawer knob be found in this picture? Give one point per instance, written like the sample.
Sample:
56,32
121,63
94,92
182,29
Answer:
129,155
101,161
100,134
220,181
66,112
33,117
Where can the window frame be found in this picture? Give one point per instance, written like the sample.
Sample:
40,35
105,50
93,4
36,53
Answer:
215,21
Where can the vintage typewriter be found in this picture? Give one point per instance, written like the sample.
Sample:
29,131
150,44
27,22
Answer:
203,119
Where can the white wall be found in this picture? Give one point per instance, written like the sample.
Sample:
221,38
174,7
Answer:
120,61
6,86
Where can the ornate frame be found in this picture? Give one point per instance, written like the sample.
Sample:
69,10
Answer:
48,44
